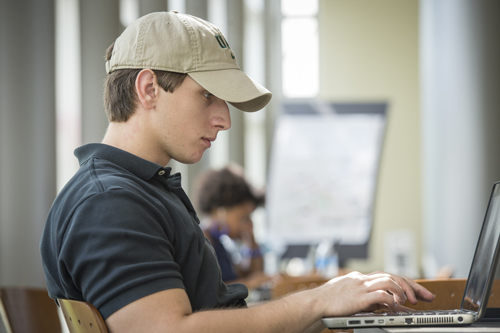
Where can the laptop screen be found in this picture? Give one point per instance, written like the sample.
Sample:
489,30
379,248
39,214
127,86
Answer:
483,267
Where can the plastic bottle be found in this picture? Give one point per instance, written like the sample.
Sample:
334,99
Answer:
327,261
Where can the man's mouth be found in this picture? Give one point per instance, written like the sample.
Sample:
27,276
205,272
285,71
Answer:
208,141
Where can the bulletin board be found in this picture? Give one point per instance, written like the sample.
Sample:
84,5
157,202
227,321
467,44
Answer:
323,172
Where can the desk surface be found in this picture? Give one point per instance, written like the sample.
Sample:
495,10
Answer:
475,328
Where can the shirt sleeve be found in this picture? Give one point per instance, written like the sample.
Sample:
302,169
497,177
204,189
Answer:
117,248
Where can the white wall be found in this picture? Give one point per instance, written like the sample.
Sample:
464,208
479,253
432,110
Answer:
436,64
369,52
461,114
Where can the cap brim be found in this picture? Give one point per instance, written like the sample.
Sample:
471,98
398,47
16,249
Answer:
235,87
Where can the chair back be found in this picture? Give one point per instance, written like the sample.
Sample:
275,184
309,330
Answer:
290,284
28,310
449,293
82,317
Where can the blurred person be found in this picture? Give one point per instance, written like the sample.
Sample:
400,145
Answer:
228,200
123,235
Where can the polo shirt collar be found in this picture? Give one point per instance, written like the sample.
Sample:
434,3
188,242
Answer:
133,163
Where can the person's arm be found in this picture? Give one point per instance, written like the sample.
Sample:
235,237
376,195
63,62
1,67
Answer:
252,261
252,276
170,310
251,269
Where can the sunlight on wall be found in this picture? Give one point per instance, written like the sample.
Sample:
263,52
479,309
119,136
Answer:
68,89
300,48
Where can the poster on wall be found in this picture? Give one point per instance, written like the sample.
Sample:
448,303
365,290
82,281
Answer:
323,172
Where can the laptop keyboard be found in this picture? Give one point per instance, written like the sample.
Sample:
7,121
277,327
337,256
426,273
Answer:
412,313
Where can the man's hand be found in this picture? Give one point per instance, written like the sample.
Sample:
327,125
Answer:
355,292
413,291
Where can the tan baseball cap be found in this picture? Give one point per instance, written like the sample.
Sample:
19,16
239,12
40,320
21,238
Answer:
181,43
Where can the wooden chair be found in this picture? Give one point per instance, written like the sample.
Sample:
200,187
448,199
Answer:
82,317
449,294
290,284
28,310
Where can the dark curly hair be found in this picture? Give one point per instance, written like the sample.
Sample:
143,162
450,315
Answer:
226,187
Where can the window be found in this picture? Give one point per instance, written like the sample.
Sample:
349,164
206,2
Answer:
300,48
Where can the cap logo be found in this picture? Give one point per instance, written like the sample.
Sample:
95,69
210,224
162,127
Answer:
223,43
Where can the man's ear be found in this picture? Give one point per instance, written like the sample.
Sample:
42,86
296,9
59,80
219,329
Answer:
146,88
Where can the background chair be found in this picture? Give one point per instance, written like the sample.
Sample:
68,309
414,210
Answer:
289,284
28,310
82,317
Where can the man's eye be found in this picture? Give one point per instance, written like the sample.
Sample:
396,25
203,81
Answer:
208,95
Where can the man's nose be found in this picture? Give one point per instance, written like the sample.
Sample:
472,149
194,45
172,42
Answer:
222,118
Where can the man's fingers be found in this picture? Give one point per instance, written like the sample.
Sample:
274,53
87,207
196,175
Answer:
417,291
376,290
408,289
386,301
412,290
422,299
388,286
380,297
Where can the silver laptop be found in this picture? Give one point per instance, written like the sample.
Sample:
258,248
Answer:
476,294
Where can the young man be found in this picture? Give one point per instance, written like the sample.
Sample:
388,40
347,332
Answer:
123,235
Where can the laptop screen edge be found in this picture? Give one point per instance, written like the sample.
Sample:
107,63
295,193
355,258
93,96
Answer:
491,275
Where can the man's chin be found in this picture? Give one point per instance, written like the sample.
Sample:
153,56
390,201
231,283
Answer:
191,160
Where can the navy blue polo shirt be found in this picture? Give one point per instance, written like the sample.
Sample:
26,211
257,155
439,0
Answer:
123,228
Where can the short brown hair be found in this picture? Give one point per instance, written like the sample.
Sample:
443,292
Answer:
226,187
120,98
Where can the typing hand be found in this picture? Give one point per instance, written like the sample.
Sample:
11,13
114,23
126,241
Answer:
356,292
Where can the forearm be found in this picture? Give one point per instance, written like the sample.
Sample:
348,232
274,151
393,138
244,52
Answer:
299,312
170,311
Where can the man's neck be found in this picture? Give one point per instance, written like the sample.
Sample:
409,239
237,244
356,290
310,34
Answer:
133,137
